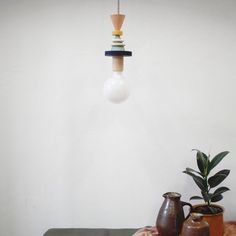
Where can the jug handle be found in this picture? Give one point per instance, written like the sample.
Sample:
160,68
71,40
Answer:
191,207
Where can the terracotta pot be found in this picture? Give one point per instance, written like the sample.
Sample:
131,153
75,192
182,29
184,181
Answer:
215,221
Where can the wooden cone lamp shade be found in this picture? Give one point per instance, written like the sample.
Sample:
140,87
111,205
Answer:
117,21
115,88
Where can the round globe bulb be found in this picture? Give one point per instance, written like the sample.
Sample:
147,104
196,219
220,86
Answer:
116,89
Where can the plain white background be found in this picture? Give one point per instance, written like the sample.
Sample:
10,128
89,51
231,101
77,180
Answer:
69,158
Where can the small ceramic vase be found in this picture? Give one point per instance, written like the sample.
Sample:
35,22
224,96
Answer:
195,226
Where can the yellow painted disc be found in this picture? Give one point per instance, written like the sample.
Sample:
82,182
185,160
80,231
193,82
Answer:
117,32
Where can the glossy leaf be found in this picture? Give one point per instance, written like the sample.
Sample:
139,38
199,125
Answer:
205,156
196,198
213,210
217,159
206,196
220,190
198,180
207,163
218,178
189,173
216,198
201,162
192,170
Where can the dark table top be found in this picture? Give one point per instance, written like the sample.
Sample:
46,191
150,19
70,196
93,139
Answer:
90,232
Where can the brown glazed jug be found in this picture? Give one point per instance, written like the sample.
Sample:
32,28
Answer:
171,215
195,226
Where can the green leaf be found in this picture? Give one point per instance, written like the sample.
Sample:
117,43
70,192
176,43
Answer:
198,180
220,190
207,163
200,183
201,162
192,170
206,196
217,159
196,198
189,173
205,156
216,198
213,210
218,178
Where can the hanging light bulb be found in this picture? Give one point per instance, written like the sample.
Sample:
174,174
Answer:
116,89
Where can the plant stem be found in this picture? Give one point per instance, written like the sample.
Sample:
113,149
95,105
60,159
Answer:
207,191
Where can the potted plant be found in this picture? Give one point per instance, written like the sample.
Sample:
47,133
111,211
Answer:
210,192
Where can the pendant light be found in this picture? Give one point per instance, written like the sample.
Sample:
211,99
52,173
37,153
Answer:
116,89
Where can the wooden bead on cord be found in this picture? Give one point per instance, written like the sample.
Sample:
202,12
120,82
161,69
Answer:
117,21
117,63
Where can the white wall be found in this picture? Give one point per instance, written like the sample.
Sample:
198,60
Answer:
69,158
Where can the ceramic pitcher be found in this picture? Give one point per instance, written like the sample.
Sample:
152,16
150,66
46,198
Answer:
171,215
